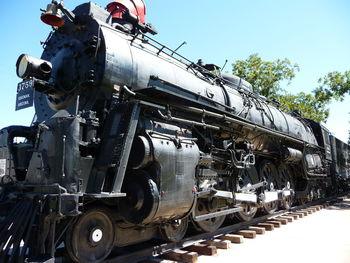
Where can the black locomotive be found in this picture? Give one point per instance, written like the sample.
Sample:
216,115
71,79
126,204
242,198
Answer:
132,141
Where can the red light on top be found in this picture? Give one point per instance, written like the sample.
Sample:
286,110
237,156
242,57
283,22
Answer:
136,7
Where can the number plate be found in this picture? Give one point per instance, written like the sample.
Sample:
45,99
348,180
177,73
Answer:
25,94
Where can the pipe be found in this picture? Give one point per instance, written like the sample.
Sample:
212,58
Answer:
246,124
192,123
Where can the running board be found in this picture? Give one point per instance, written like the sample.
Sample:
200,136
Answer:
216,214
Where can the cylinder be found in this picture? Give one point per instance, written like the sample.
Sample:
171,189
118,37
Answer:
140,153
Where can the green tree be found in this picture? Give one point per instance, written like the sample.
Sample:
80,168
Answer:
334,85
306,103
349,137
266,78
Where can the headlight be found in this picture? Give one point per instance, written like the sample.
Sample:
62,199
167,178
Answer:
28,66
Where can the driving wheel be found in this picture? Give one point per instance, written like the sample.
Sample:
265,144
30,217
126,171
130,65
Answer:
268,172
91,238
208,225
285,177
248,177
174,231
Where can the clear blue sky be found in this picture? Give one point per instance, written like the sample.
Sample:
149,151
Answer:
313,33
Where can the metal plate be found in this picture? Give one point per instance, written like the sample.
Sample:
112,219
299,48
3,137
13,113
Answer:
25,94
246,197
286,193
270,196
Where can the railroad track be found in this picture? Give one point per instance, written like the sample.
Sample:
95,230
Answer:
192,246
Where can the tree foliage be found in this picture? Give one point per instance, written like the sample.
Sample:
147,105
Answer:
310,108
349,136
265,76
333,86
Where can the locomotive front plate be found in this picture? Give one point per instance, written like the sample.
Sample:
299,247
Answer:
25,94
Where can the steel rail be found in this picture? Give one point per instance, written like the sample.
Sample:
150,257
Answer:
150,251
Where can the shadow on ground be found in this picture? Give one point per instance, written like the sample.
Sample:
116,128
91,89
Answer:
340,205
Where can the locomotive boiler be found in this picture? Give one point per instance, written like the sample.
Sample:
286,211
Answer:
131,141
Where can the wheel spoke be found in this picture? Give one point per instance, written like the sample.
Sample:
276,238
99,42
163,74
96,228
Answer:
248,177
174,231
209,225
286,183
268,172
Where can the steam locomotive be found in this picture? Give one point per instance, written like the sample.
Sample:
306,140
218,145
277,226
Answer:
131,141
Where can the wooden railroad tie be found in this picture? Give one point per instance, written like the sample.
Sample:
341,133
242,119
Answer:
282,220
202,249
309,211
246,233
180,255
209,247
295,216
299,214
223,244
233,238
305,213
317,207
289,218
267,226
258,230
275,223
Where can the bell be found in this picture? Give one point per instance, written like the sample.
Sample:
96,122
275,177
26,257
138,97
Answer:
52,16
